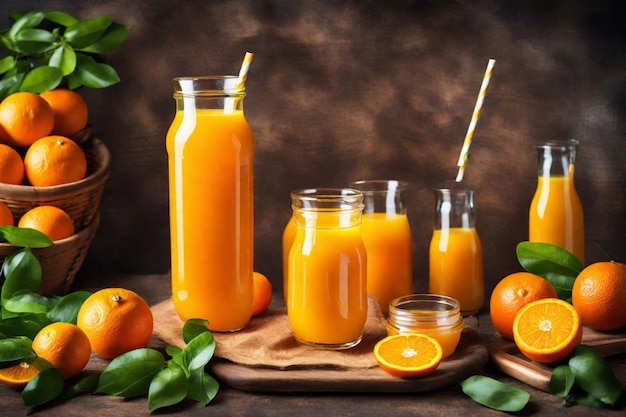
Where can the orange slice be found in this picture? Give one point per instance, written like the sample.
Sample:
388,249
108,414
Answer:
17,376
547,330
408,355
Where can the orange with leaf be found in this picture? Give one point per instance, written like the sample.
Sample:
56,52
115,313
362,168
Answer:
24,118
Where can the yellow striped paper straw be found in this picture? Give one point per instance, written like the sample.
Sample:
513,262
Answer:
243,72
478,108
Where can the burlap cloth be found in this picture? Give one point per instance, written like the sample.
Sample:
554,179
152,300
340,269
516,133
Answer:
267,341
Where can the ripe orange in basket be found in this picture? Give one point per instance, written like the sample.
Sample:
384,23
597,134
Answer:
6,217
116,320
599,295
547,330
512,293
25,117
65,346
17,376
408,355
50,220
69,109
54,160
262,293
11,165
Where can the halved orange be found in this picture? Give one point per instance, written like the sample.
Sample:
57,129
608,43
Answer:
17,376
547,330
408,355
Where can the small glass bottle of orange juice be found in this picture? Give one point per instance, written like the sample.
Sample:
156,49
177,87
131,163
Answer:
556,213
456,254
210,149
327,288
386,233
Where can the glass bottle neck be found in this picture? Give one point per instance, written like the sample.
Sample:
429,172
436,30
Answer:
454,207
382,196
556,159
327,208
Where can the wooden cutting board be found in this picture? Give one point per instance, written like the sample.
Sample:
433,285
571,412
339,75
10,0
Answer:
505,355
470,358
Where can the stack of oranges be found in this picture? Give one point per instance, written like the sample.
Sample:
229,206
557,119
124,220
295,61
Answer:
524,308
35,144
36,149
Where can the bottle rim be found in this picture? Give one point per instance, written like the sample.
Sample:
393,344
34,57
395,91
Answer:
208,86
379,186
327,198
558,144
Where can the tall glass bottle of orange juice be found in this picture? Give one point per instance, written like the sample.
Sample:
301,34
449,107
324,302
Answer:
456,254
386,233
556,213
327,288
210,150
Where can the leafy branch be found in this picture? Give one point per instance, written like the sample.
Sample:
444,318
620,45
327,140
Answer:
45,50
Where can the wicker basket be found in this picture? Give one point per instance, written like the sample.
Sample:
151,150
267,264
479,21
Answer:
81,200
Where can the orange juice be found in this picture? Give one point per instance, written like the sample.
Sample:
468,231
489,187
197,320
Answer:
556,215
387,237
456,267
289,234
327,298
210,159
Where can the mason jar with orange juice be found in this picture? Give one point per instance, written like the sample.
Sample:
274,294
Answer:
210,150
327,269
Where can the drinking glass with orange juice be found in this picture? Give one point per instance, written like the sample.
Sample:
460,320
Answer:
327,288
556,213
210,150
386,233
455,254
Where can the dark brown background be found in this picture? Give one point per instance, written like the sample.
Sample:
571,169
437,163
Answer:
340,91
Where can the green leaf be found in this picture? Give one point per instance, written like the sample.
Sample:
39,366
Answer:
42,78
6,63
63,58
86,32
551,262
34,41
15,348
129,375
168,387
27,325
494,394
87,385
24,237
93,74
561,381
29,20
202,386
29,302
47,385
61,18
594,375
194,327
66,309
112,38
22,272
199,351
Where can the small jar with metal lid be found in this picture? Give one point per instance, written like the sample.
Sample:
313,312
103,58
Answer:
437,316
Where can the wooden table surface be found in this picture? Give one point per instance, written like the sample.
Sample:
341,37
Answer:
449,401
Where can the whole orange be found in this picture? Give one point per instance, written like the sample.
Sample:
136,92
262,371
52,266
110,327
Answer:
116,320
599,295
262,293
69,109
65,346
6,216
511,294
50,220
11,165
54,160
25,117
